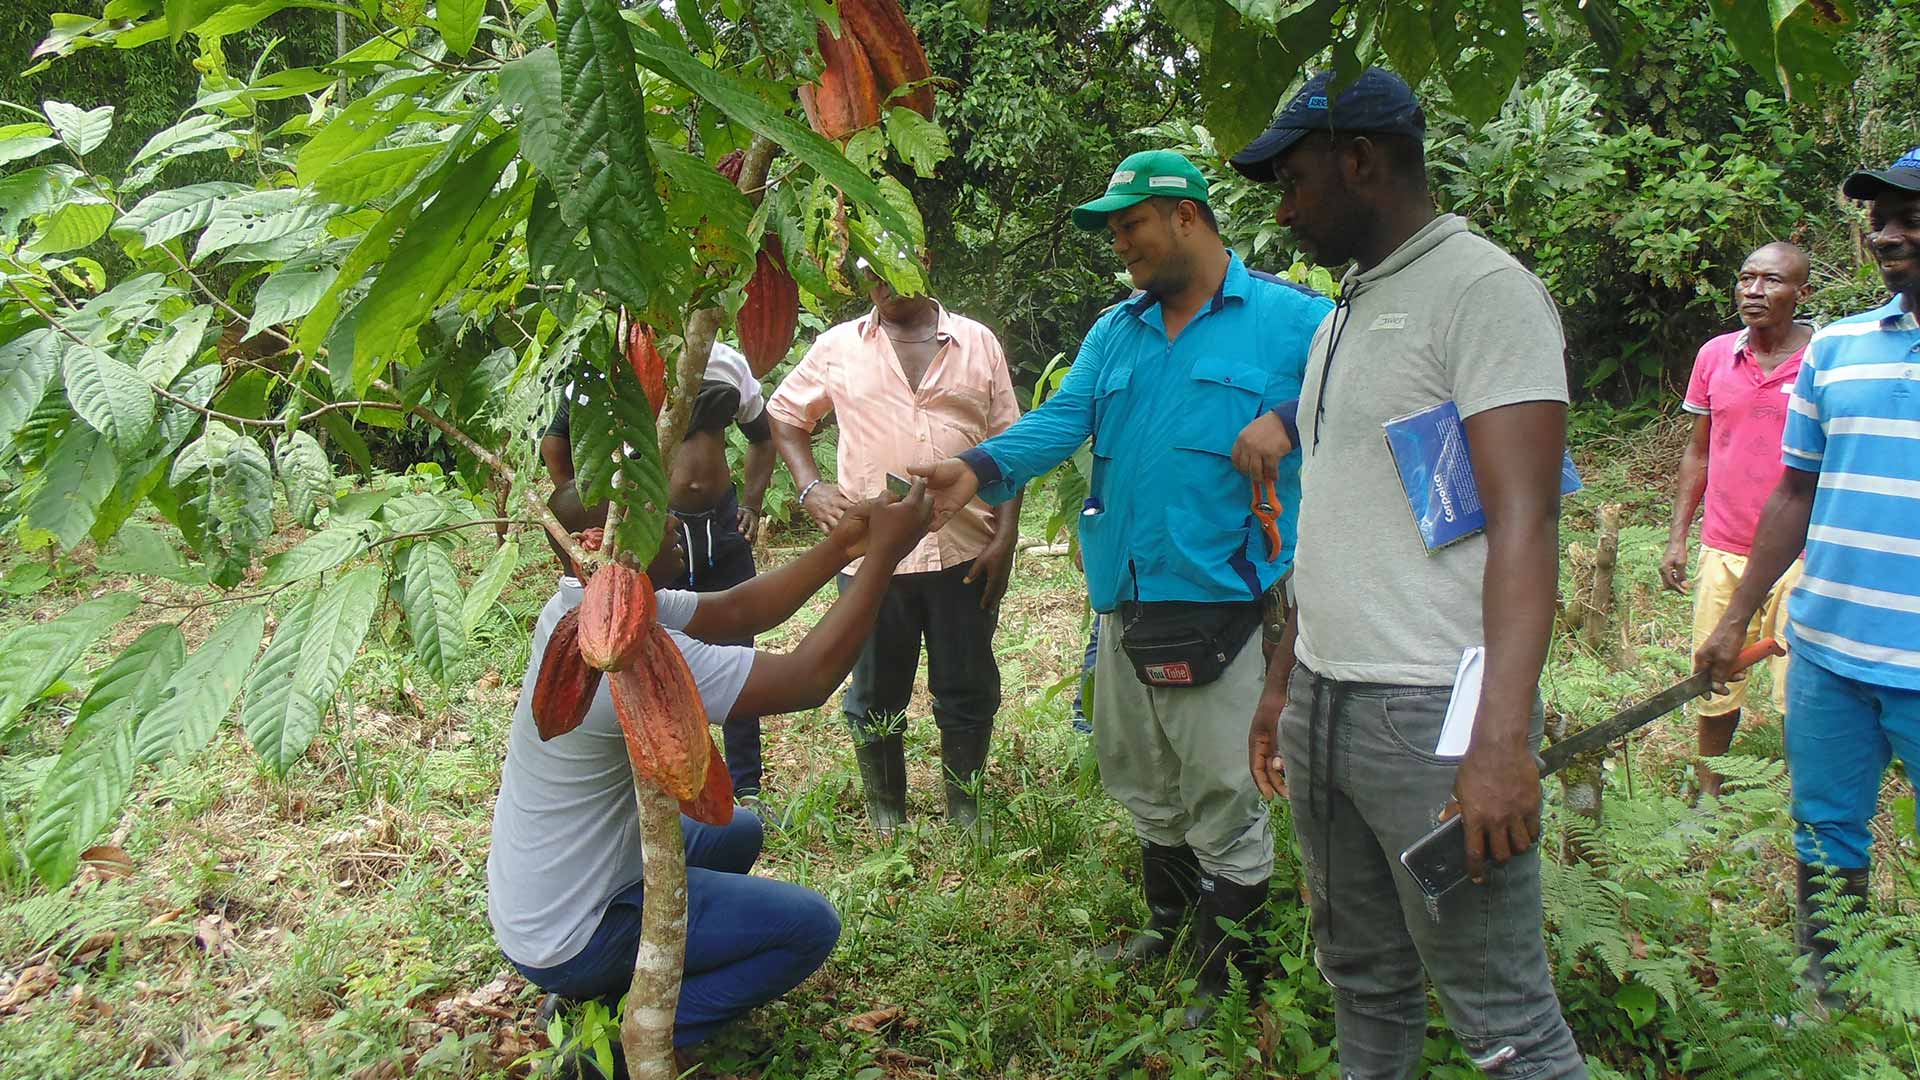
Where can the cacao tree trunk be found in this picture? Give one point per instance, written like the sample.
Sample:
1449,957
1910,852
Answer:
1595,619
646,1029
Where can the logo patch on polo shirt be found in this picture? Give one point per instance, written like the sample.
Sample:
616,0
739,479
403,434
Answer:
1389,320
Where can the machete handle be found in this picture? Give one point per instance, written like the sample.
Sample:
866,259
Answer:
1757,652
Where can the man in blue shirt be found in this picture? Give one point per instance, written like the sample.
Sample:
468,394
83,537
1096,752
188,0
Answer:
1851,496
1176,560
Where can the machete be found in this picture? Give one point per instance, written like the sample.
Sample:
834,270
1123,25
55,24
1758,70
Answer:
1438,860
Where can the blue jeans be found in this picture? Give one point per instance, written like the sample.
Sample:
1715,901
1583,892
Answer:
1840,735
749,939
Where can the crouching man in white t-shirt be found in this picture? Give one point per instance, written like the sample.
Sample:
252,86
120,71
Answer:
563,876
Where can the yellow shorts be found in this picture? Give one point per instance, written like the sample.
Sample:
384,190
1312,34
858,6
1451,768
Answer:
1713,585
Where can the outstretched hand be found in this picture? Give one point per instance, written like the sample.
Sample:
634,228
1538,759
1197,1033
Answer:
952,485
897,523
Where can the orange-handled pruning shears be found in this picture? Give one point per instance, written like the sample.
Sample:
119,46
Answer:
1266,507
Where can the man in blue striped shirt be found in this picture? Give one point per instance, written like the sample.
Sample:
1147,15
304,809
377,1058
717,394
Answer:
1851,496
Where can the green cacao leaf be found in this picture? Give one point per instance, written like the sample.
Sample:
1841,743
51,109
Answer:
458,22
430,592
288,295
316,554
294,683
189,708
82,792
307,475
65,498
487,586
137,674
81,129
374,174
144,551
166,358
109,395
164,215
33,656
27,364
79,221
243,496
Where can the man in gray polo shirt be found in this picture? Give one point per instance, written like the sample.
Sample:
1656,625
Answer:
1429,312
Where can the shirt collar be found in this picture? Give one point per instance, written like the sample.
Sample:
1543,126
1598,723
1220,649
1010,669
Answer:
1742,353
1237,285
942,327
1895,316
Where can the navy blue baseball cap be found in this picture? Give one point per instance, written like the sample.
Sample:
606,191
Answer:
1378,102
1903,174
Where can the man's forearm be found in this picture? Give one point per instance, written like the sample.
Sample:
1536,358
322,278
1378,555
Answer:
759,475
1517,609
1280,664
761,603
1006,520
1687,492
1778,540
833,645
795,446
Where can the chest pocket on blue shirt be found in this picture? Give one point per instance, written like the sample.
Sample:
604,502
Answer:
1224,396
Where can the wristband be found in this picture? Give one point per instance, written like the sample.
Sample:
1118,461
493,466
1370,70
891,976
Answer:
808,490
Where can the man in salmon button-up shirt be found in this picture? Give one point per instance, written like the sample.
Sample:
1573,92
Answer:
911,382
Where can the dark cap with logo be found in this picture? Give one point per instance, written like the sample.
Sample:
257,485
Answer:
1378,102
1871,184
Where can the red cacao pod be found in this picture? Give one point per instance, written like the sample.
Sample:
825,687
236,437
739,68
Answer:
663,719
714,804
647,363
847,97
565,686
731,164
771,315
893,50
615,615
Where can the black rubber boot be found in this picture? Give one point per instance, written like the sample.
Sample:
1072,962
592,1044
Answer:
1238,905
883,778
1170,878
1810,924
963,754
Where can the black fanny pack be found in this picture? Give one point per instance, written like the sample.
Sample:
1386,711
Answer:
1174,643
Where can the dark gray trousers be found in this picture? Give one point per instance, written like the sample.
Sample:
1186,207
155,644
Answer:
962,674
1364,784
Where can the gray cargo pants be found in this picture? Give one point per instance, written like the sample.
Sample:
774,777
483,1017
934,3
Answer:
1176,758
1374,930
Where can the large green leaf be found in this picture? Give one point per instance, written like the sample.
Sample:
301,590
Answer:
531,85
430,592
919,141
704,203
458,22
164,215
288,295
602,172
27,364
88,784
166,358
306,474
744,107
374,174
1806,37
609,418
294,683
199,695
487,586
428,260
1406,37
79,221
109,395
144,551
81,129
196,134
243,496
33,656
1496,33
65,498
254,218
316,554
361,124
16,146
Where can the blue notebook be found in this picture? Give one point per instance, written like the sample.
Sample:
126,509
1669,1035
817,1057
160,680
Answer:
1429,449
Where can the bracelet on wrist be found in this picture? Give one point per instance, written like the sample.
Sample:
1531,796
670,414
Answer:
808,490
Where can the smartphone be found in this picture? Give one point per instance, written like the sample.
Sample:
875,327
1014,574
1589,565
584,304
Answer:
899,485
1438,860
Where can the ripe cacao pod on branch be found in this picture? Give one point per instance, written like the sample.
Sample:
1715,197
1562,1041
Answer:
663,719
616,615
771,314
847,97
566,684
893,50
647,363
714,804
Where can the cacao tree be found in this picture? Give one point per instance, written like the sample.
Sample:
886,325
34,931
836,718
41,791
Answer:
430,233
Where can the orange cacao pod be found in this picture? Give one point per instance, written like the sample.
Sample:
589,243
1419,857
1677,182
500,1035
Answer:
663,719
615,615
893,50
565,686
648,365
847,97
731,164
714,804
771,314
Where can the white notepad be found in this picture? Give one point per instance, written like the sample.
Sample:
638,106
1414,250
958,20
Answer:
1457,730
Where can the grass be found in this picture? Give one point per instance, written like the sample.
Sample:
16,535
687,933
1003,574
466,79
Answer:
333,925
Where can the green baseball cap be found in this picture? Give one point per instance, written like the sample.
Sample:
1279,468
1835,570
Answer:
1143,176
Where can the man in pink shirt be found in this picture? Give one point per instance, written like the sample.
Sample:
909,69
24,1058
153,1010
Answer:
911,382
1738,394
